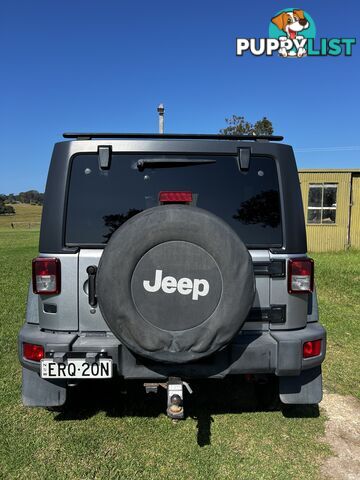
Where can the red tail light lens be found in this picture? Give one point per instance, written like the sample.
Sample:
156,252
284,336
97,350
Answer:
46,275
33,352
300,275
175,197
312,349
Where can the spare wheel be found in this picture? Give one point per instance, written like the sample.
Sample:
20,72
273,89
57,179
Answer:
175,283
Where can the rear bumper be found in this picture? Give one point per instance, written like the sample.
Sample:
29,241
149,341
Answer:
277,352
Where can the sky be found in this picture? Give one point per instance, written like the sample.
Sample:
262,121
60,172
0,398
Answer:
86,65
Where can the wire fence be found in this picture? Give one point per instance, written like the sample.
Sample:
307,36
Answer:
25,225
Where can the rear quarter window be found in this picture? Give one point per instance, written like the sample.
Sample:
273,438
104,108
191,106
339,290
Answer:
99,201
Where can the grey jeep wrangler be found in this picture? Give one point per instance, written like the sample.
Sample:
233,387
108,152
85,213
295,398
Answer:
169,258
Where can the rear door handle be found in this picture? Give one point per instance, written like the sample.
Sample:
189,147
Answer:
91,271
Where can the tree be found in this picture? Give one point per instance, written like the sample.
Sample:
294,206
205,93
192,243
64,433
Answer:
31,196
263,209
6,209
113,222
239,126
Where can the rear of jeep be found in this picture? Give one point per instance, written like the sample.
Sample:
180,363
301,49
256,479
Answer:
169,258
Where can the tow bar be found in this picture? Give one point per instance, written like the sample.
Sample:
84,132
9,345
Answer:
175,395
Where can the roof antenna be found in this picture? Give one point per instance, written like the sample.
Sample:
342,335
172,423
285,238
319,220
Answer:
161,111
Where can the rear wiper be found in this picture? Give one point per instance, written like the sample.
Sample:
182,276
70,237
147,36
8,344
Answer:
168,163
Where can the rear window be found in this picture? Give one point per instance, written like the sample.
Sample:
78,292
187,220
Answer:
99,201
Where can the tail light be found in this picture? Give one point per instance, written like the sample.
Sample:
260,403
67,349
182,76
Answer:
46,275
311,349
300,275
33,352
175,197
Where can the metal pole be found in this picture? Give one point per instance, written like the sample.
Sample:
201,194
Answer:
161,111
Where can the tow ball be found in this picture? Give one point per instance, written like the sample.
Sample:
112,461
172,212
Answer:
175,395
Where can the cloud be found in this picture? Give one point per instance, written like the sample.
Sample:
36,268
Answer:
327,149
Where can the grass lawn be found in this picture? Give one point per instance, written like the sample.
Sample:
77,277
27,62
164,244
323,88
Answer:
338,283
226,435
26,216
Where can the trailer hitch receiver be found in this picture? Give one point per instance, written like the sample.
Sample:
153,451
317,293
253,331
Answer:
175,395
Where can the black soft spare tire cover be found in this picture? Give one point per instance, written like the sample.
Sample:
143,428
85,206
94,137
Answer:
175,283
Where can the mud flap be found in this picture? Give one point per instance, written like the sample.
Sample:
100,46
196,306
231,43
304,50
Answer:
37,392
302,389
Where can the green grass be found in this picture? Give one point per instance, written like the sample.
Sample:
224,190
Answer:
26,217
110,435
338,284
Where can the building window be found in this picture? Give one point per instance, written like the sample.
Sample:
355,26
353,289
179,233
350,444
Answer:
322,203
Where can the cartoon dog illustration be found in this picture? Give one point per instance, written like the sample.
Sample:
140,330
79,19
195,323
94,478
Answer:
291,23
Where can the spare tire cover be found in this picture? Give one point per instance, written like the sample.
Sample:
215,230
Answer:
175,283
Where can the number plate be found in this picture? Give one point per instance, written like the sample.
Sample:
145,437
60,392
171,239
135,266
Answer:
76,368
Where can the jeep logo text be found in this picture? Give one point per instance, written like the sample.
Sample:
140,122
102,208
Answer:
185,286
